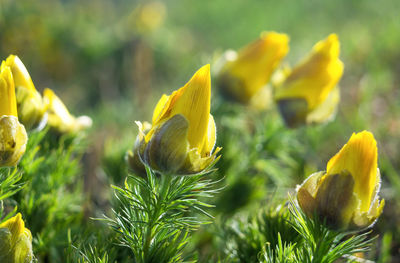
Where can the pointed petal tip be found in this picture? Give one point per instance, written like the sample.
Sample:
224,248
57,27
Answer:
202,75
333,37
204,70
275,37
18,216
364,136
330,45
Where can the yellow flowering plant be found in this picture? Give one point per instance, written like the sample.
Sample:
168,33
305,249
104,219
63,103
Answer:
31,109
13,137
59,118
346,194
15,241
182,137
244,73
309,93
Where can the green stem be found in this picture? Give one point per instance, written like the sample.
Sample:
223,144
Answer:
154,216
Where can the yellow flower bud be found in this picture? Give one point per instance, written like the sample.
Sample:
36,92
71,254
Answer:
59,117
31,108
346,195
309,93
245,73
13,137
15,241
183,134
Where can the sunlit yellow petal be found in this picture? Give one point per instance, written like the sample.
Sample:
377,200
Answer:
209,140
59,117
359,157
20,73
161,108
327,109
194,104
316,76
8,103
245,75
57,107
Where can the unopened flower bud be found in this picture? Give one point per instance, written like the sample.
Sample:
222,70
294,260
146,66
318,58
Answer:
183,134
346,195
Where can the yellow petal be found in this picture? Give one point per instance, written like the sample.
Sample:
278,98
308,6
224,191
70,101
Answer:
160,109
327,109
316,76
20,73
8,103
57,107
359,157
31,108
193,102
255,64
59,117
210,139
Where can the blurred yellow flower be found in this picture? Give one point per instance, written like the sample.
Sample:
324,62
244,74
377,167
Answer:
245,73
59,117
149,16
182,137
31,108
15,241
346,195
13,137
309,93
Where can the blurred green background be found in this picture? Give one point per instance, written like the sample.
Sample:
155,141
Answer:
112,60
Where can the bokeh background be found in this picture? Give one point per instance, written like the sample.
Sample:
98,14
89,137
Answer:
112,60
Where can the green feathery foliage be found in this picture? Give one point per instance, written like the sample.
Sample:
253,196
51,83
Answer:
318,243
157,215
245,239
52,198
9,182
